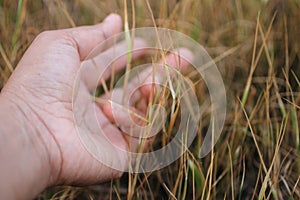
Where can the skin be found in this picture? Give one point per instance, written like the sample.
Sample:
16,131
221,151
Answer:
39,143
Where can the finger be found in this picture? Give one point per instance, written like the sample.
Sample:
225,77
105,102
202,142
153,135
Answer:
119,96
125,116
88,37
69,46
137,92
131,122
117,111
101,67
126,120
179,59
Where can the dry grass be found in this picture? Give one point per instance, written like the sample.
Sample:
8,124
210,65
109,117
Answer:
256,47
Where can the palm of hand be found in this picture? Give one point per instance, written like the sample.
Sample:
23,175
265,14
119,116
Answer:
43,86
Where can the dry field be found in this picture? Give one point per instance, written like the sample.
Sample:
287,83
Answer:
256,47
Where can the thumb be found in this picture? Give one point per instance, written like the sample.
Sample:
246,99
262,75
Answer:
88,37
80,39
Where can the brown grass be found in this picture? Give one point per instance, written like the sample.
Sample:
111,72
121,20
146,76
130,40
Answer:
256,47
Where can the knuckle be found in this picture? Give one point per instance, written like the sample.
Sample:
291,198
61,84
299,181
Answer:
68,38
103,34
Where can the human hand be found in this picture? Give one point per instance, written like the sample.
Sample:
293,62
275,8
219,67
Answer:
42,85
41,88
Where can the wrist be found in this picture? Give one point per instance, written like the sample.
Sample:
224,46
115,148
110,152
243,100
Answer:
26,160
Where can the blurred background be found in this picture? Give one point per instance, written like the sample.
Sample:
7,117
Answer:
256,47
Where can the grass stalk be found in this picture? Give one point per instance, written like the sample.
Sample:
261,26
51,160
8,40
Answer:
21,12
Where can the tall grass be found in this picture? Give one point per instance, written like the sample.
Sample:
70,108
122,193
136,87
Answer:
256,47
